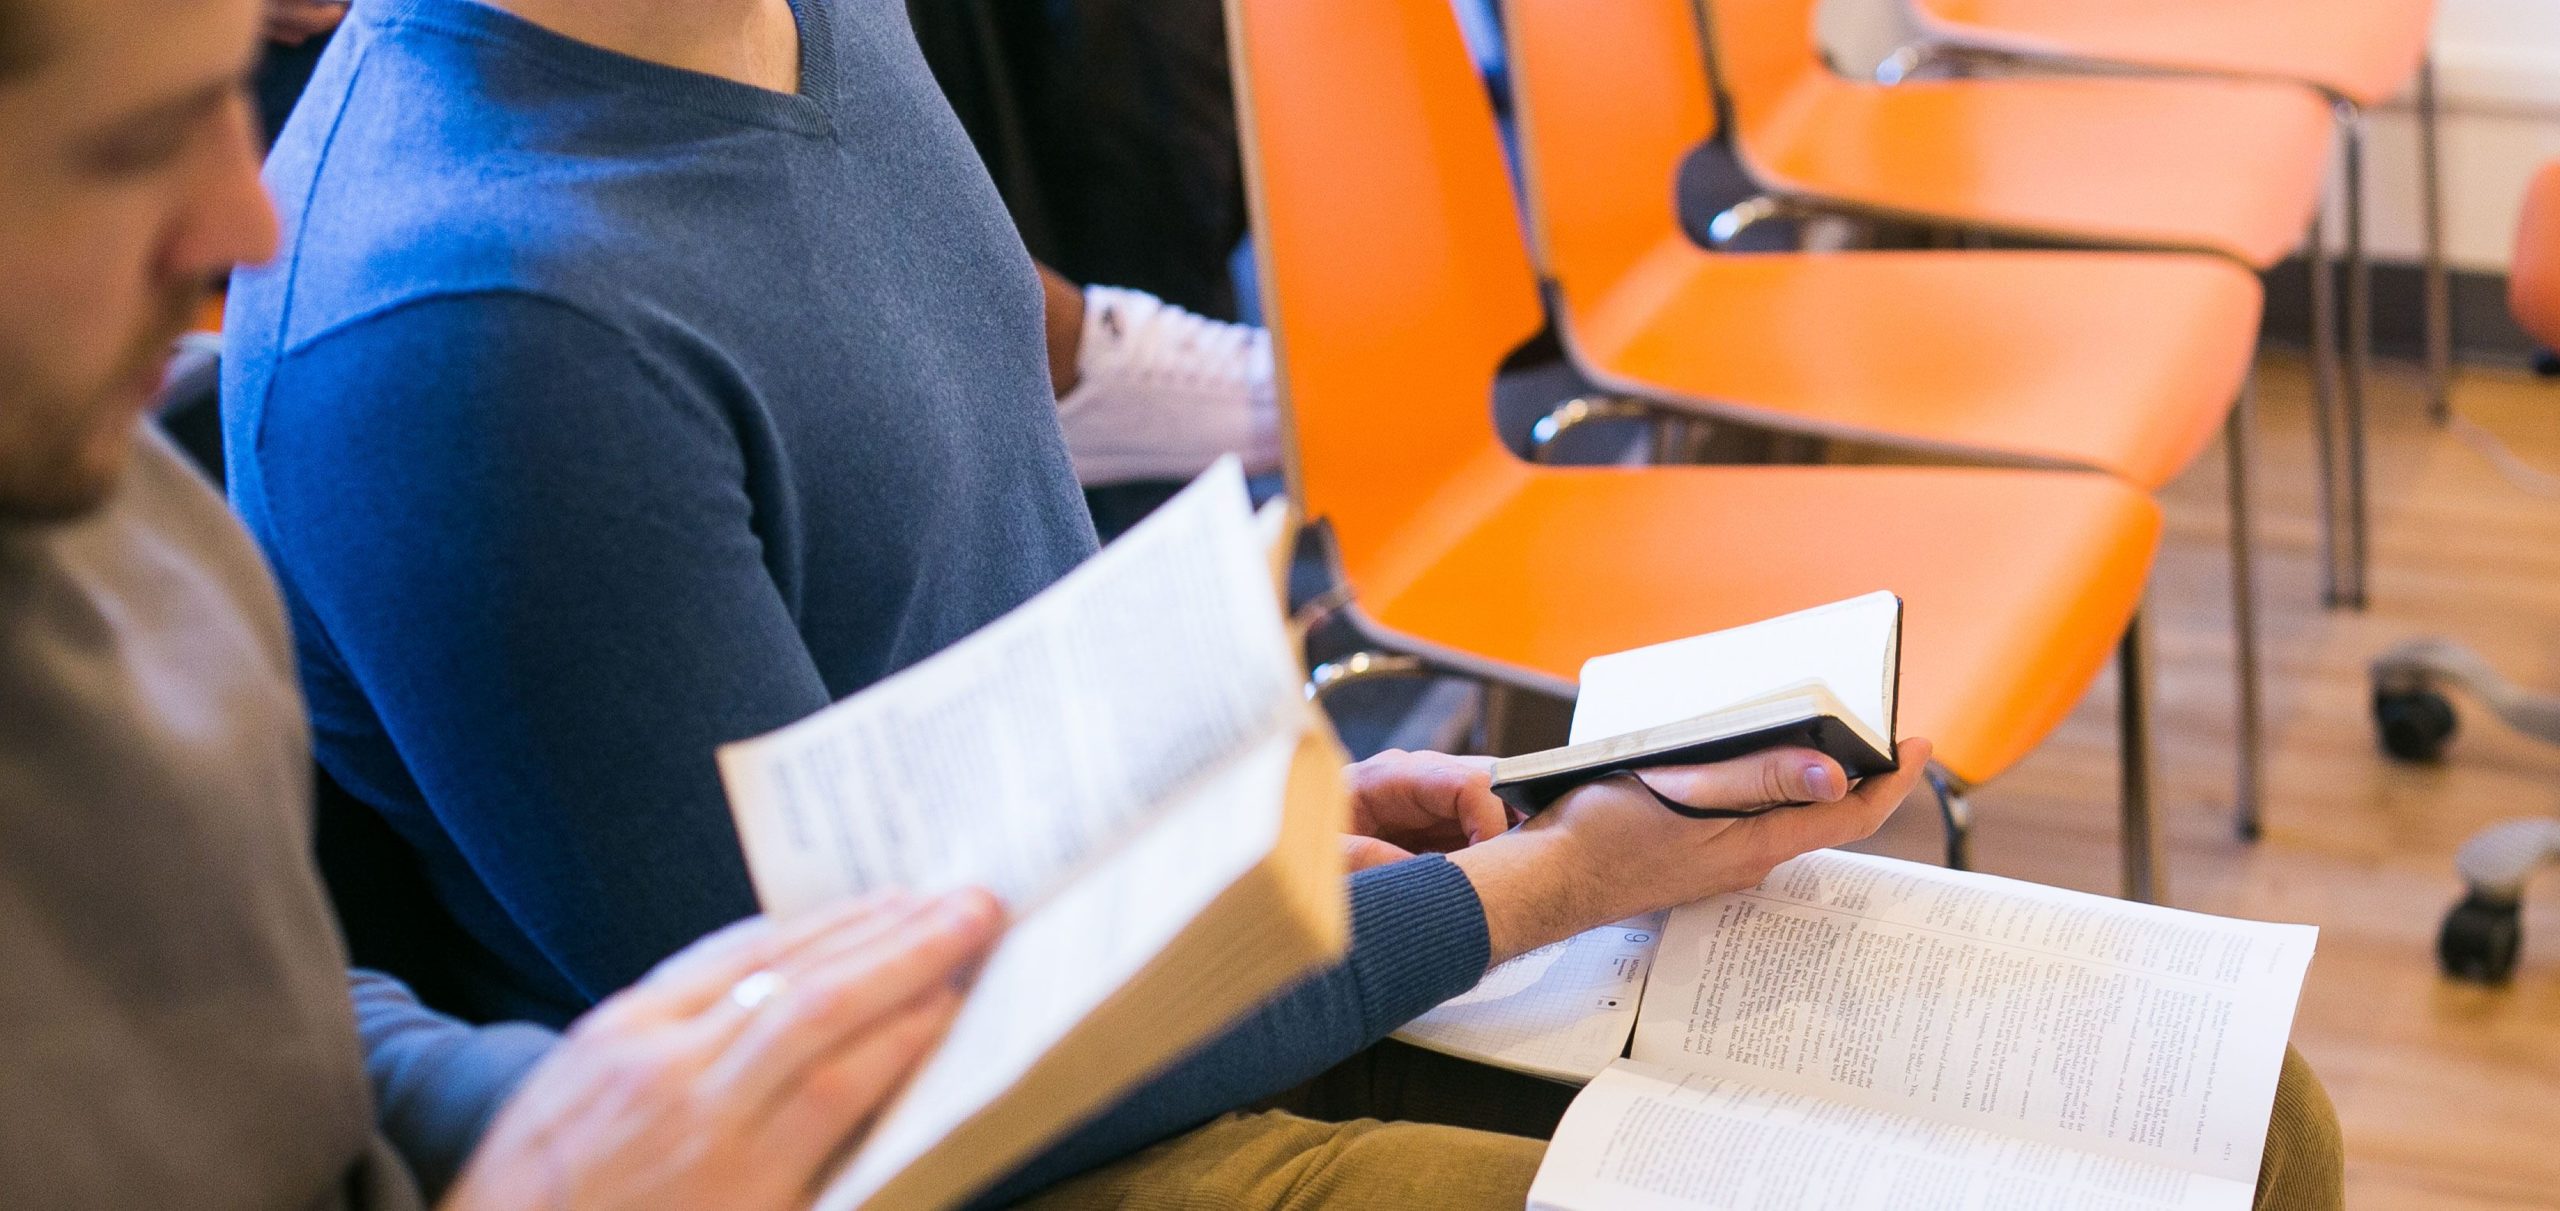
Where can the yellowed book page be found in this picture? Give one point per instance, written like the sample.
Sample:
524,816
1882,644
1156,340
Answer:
1061,962
1107,758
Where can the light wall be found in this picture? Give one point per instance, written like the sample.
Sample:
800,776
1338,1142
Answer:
2498,77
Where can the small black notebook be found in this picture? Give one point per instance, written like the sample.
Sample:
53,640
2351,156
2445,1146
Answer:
1827,679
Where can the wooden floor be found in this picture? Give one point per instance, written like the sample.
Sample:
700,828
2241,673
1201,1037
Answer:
2450,1094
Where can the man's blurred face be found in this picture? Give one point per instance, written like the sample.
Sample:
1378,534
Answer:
128,185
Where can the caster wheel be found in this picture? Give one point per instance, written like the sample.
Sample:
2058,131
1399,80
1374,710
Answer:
2414,724
2480,940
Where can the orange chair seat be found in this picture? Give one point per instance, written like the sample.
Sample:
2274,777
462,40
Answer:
2210,165
2363,50
2064,358
2017,584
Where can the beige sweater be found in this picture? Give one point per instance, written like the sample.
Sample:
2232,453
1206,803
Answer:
175,1028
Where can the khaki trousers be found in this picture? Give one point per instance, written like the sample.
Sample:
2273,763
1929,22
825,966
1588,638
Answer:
1277,1160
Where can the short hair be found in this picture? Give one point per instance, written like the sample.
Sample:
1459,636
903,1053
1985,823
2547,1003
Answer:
17,39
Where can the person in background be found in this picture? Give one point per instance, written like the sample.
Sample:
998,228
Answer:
1109,129
295,33
1149,392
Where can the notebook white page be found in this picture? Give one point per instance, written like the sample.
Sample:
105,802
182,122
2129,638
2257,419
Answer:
1560,1011
1847,645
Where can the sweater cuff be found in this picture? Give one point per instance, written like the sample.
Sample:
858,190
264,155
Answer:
1418,938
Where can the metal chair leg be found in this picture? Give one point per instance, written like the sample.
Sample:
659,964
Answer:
1730,223
1675,439
2139,841
2359,360
1956,813
2324,400
2439,284
2249,742
1579,411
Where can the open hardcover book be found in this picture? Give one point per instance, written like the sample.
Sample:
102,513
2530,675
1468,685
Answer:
1128,762
1825,679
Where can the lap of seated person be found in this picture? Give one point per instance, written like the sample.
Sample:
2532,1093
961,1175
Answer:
1282,1161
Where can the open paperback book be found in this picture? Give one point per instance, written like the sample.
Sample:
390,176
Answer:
1128,762
1826,679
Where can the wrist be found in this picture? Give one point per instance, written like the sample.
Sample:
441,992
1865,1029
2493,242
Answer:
1535,889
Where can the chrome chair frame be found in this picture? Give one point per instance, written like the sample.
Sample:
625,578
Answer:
2340,376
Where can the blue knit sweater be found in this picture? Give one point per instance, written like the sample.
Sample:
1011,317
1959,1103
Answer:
598,413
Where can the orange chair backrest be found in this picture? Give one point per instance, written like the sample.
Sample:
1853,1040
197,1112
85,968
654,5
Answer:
1394,274
2533,282
1759,51
1610,98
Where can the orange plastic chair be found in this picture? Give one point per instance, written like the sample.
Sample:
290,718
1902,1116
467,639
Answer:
2117,362
1395,279
2212,165
2357,52
2218,165
2533,280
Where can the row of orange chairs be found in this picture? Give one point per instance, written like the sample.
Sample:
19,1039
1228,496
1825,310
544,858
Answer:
2228,160
2355,53
1397,276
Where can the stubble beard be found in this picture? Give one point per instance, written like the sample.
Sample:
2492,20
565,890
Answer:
71,456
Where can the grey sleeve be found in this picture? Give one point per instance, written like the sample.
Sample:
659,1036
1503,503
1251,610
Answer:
436,1081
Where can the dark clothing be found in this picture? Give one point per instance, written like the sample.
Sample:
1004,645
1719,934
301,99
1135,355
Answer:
1111,127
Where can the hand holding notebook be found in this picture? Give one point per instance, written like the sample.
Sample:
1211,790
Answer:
1825,679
